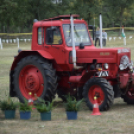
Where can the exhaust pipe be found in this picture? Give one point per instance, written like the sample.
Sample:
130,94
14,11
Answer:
101,31
73,45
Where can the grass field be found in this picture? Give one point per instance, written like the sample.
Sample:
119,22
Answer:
119,119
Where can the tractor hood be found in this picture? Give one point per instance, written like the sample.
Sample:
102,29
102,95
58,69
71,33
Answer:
102,55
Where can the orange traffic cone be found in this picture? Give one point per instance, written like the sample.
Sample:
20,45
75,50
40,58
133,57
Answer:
96,110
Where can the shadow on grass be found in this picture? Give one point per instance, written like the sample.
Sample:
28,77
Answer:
58,104
121,106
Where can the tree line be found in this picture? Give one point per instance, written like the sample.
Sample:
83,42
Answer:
18,15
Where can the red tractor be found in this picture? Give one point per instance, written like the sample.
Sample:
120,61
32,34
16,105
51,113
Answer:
63,60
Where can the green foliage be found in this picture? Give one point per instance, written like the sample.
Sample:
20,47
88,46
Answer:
87,9
18,13
25,107
72,104
122,9
44,106
8,104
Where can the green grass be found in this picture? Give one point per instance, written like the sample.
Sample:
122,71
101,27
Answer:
118,120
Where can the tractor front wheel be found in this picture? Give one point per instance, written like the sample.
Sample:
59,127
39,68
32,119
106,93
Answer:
100,88
32,76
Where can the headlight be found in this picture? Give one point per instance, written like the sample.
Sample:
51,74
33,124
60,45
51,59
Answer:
121,67
124,62
130,67
106,66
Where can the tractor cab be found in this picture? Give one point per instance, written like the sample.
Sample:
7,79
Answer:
57,31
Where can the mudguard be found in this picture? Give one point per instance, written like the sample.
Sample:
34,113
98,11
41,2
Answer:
23,54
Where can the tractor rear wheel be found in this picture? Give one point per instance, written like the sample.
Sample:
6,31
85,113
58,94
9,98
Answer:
128,98
34,75
100,88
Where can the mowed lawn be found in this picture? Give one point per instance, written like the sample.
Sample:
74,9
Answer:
119,119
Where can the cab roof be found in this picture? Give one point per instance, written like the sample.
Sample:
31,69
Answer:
75,16
58,21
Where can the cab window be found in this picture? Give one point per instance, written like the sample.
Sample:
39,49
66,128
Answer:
40,36
53,36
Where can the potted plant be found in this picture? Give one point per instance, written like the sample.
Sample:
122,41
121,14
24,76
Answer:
44,108
25,110
72,106
9,108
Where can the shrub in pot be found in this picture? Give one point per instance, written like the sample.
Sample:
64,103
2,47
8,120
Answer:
44,108
9,108
72,106
25,110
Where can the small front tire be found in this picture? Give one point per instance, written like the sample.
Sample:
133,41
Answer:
100,88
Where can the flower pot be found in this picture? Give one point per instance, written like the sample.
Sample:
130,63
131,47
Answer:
9,114
25,115
71,115
46,116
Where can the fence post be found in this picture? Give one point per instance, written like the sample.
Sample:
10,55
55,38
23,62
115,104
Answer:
18,42
1,44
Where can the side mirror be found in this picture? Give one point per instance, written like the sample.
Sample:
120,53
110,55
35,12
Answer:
92,28
81,46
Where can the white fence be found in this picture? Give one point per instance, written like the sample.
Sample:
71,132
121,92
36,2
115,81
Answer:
15,41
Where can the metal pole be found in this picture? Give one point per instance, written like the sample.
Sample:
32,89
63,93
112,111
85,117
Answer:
94,22
73,44
72,39
18,42
101,31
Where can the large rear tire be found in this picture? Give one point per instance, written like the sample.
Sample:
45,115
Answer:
100,88
36,75
129,99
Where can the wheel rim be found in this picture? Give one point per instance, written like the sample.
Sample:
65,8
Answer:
96,91
31,81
